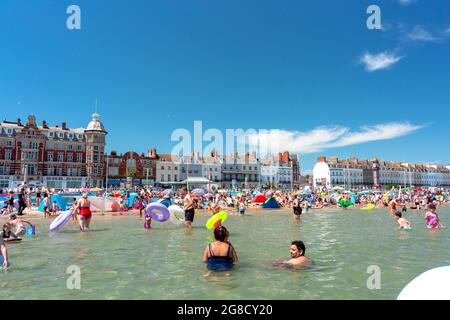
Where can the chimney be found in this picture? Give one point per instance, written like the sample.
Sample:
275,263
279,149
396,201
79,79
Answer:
44,124
64,126
18,122
56,125
322,159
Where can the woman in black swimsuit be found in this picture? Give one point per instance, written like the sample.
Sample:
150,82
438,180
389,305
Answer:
296,206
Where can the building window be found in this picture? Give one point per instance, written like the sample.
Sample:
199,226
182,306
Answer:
61,135
79,147
95,157
162,177
175,178
168,177
162,167
95,148
7,155
79,157
69,157
34,145
60,156
69,147
50,157
9,131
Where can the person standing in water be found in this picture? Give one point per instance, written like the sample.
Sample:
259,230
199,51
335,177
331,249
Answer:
4,253
297,208
404,224
432,218
220,255
189,209
84,212
298,258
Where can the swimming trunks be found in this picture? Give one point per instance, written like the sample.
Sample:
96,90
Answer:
189,214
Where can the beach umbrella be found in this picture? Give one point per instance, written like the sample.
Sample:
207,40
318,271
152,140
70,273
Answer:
169,192
222,191
96,189
198,192
259,199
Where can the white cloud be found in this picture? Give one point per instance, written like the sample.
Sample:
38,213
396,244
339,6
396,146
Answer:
419,33
323,138
383,60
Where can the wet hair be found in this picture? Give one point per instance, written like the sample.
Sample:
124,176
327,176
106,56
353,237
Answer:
398,214
432,207
300,246
221,233
7,225
12,216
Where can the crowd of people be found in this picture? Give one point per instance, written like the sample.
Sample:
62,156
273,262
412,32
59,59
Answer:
220,254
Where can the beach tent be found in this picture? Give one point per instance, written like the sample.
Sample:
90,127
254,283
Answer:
131,199
63,201
271,203
259,199
165,202
101,204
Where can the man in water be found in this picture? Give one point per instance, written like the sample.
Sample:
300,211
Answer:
189,209
298,258
4,253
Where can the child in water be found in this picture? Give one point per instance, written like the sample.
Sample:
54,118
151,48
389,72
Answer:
404,224
432,218
55,207
148,221
242,208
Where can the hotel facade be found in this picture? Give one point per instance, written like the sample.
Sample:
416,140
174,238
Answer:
52,156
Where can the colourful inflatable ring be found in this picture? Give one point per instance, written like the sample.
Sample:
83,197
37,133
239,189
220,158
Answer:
369,207
218,217
158,212
61,220
176,214
406,229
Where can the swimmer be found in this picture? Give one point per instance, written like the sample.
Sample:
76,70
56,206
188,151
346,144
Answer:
6,234
84,212
432,218
4,253
18,223
404,224
297,208
220,255
298,258
148,221
242,208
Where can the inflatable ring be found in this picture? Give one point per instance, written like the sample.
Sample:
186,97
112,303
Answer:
176,214
158,212
61,220
369,207
406,229
219,217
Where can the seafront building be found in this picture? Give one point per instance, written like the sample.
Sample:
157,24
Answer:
53,156
354,173
59,157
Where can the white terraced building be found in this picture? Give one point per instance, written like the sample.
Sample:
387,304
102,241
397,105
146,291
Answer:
360,174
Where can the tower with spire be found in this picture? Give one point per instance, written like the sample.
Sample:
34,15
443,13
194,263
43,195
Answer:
95,151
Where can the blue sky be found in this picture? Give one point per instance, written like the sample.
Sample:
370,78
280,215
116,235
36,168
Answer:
309,68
